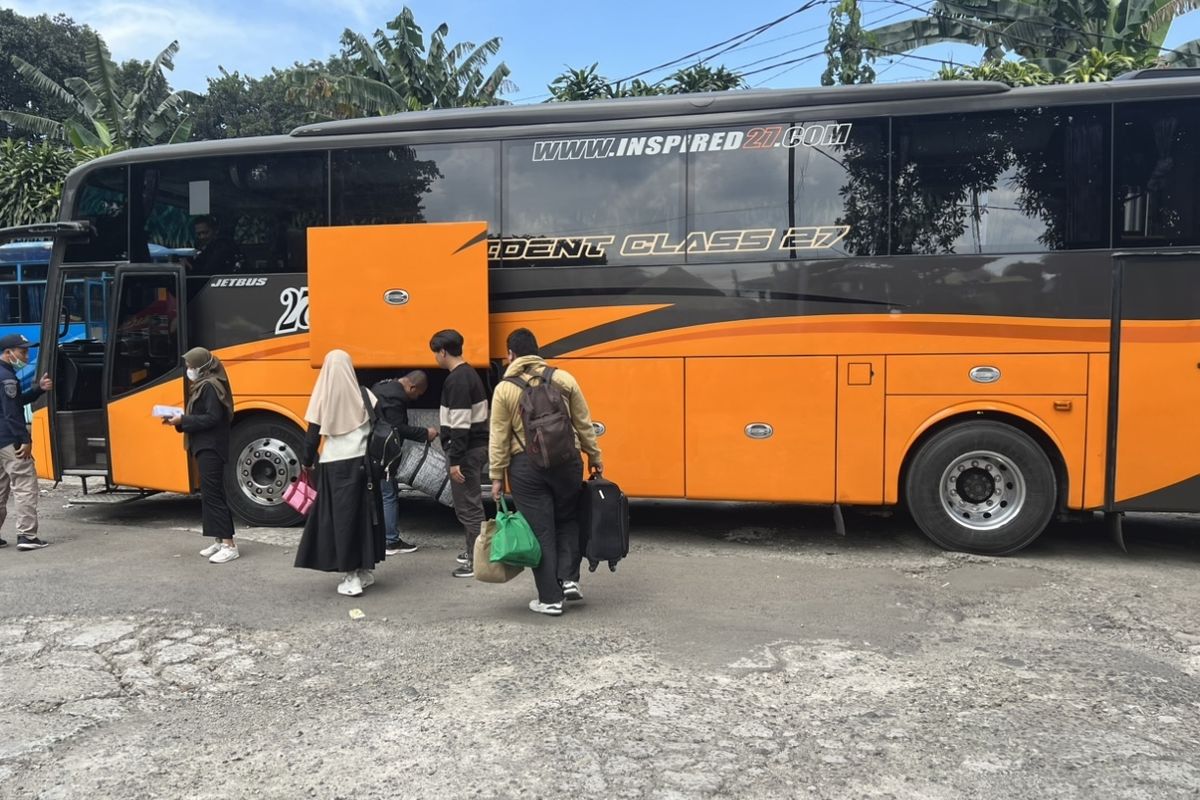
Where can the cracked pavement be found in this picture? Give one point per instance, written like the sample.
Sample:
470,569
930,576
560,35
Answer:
741,651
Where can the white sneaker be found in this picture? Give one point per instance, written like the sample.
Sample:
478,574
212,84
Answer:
225,554
571,591
366,577
351,586
553,609
211,550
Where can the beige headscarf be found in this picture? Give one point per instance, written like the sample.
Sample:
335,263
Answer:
337,402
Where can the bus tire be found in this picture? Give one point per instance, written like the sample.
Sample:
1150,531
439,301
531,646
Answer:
981,487
264,458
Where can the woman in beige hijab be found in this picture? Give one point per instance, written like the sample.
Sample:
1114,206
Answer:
344,531
205,425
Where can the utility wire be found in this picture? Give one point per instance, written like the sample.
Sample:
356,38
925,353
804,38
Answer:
738,39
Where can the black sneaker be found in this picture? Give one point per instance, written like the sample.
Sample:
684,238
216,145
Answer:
465,571
398,547
571,591
3,543
30,543
463,558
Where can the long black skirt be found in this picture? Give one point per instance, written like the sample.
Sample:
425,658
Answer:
344,529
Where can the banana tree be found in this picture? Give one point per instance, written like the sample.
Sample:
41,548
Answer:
396,71
102,117
1053,34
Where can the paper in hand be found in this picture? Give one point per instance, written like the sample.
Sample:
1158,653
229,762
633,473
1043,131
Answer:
166,412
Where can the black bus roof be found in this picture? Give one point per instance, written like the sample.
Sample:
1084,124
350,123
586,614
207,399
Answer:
629,114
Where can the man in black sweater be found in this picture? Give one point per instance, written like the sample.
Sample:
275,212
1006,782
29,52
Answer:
464,419
18,476
393,397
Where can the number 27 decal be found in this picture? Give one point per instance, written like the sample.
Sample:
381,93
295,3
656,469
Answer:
295,310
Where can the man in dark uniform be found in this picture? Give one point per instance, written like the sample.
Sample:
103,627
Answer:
215,254
17,473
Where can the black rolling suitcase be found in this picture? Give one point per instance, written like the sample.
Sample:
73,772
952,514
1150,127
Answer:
603,523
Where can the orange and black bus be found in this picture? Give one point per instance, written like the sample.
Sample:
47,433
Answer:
978,302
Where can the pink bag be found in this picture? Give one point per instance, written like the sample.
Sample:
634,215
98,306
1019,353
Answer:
301,494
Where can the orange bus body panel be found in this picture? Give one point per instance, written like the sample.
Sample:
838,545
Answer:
1019,374
145,453
380,292
863,333
39,431
908,416
797,397
553,324
1158,427
860,429
639,403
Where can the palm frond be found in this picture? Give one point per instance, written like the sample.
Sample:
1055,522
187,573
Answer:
31,123
102,77
1166,14
39,79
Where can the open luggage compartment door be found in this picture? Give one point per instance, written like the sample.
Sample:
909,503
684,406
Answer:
380,292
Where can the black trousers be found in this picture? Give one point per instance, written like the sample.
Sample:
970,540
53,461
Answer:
549,499
214,510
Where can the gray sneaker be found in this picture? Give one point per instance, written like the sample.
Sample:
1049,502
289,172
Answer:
30,543
551,609
571,591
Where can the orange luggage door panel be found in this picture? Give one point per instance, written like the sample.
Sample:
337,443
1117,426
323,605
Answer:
380,292
761,428
638,404
43,456
860,430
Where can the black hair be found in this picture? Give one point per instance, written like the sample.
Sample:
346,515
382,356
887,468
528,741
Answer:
522,342
207,219
449,340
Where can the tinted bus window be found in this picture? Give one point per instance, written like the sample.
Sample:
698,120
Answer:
1025,180
771,191
103,200
1157,165
615,199
423,183
241,214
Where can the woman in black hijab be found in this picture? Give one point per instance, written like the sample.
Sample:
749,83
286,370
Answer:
206,423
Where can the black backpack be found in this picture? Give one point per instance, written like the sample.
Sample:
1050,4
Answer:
384,445
549,434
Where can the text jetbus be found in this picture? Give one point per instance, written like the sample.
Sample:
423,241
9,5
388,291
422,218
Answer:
979,302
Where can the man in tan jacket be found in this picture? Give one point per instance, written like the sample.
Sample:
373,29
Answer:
548,497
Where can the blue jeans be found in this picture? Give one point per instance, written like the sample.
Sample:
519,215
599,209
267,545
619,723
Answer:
391,511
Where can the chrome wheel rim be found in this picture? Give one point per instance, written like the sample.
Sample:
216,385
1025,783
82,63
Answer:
265,468
982,490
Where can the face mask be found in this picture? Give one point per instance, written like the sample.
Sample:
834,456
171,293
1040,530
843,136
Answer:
193,374
19,364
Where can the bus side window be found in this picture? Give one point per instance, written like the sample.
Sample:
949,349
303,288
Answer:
1157,167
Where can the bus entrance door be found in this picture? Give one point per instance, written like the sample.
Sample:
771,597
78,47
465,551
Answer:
144,369
1154,459
380,292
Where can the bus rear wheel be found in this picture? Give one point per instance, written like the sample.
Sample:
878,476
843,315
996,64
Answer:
981,487
265,457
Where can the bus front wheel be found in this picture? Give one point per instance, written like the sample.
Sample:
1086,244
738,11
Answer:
265,457
981,487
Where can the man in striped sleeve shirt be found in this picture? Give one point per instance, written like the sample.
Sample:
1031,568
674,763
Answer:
464,436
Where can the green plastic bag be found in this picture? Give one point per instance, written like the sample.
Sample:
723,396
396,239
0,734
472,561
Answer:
514,542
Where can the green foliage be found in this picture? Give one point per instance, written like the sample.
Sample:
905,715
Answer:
588,84
1092,66
849,50
1054,34
31,177
102,114
236,105
396,70
55,44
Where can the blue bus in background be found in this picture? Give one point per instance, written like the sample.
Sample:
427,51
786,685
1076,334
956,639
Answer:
23,268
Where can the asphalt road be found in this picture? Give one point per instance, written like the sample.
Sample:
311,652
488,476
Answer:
740,651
